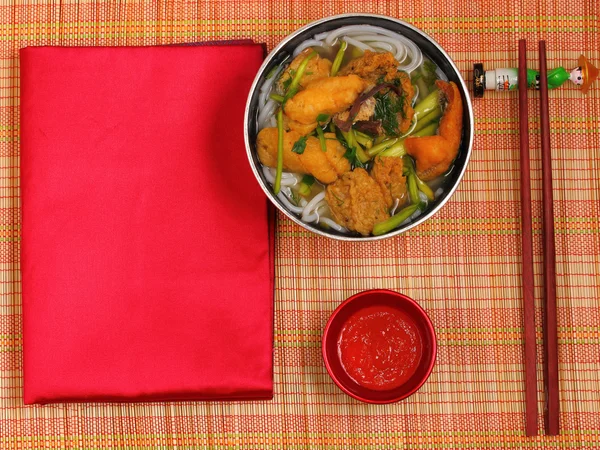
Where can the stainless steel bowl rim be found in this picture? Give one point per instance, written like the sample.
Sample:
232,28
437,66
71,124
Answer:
268,189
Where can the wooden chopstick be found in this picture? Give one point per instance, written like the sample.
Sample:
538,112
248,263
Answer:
531,404
550,322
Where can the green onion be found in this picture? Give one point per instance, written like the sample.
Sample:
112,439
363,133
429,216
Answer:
337,62
278,98
299,146
322,118
381,146
352,142
394,221
277,185
363,139
429,130
321,138
423,89
362,135
306,185
428,104
427,119
423,187
293,88
413,190
395,150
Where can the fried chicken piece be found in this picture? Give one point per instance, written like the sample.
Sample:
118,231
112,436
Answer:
324,166
316,69
302,128
387,172
356,202
325,96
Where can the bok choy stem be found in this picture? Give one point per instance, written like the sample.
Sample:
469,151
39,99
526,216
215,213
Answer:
428,104
394,221
429,130
381,147
427,119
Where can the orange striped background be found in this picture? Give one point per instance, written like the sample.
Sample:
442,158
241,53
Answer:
462,266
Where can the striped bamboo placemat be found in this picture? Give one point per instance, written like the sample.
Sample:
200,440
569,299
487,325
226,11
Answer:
462,266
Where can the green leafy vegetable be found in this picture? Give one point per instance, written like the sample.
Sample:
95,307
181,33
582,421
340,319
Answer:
429,71
299,145
350,153
277,185
387,108
410,171
429,130
394,221
413,189
322,118
309,180
427,105
360,153
384,145
306,185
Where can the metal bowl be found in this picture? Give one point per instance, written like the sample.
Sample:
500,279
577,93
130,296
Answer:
428,46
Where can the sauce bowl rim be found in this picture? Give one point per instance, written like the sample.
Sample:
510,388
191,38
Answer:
401,298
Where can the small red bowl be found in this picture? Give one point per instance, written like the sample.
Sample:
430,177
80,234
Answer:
387,299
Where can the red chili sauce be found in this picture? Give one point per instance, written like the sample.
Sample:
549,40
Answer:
380,347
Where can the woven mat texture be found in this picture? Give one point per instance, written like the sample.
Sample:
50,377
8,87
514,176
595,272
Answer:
462,266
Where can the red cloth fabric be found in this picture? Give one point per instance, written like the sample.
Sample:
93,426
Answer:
146,258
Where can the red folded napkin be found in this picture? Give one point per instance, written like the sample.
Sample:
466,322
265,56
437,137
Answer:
146,257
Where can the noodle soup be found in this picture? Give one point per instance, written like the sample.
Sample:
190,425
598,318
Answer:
358,132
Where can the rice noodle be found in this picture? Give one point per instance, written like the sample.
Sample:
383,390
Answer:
354,34
398,48
416,96
362,46
415,55
265,113
287,179
313,205
306,44
395,206
265,89
383,46
333,225
296,209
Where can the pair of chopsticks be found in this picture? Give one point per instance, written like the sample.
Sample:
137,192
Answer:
552,407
